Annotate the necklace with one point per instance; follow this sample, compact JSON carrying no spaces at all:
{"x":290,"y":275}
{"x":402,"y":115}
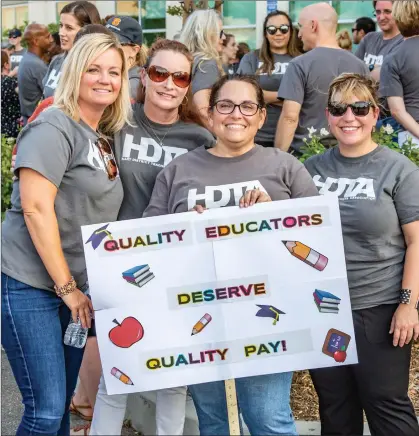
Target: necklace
{"x":159,"y":140}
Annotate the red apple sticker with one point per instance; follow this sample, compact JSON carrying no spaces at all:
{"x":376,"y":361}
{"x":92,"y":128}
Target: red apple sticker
{"x":126,"y":333}
{"x":340,"y":356}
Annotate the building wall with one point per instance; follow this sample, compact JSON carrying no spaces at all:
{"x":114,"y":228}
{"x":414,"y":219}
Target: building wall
{"x":242,"y":18}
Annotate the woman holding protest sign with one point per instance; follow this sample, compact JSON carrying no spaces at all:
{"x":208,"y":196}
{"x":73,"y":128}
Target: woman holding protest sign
{"x":66,"y":177}
{"x":165,"y":127}
{"x":379,"y":206}
{"x":237,"y":110}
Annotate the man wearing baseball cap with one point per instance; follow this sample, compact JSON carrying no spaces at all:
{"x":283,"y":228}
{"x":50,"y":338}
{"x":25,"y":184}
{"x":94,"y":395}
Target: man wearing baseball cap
{"x":15,"y":39}
{"x":130,"y":36}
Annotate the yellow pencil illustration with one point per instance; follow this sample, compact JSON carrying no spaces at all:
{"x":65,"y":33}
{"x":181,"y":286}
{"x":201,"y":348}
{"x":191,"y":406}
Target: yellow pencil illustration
{"x":121,"y":376}
{"x":306,"y":254}
{"x":201,"y":324}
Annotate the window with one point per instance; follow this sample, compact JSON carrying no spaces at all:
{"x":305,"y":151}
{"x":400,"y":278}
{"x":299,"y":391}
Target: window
{"x":127,"y":8}
{"x":239,"y":18}
{"x":153,"y":19}
{"x":297,"y":6}
{"x":351,"y":10}
{"x":14,"y":16}
{"x":21,"y":15}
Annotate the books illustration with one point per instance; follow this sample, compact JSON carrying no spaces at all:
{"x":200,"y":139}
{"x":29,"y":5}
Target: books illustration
{"x":307,"y":254}
{"x":326,"y":302}
{"x":138,"y":275}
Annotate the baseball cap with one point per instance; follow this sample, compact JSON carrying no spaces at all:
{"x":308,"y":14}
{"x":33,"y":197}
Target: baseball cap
{"x":127,"y":29}
{"x":15,"y":33}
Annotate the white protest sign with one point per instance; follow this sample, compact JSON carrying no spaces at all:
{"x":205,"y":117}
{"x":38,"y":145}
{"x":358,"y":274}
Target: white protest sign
{"x":192,"y":298}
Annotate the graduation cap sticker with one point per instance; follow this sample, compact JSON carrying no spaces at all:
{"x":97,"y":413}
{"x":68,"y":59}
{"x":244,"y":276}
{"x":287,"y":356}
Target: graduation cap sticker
{"x":268,"y":311}
{"x":98,"y":236}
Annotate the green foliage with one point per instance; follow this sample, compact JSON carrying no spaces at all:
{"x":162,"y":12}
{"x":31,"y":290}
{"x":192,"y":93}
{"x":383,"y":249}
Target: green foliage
{"x":53,"y":27}
{"x":386,"y":137}
{"x":6,"y":175}
{"x":175,"y":11}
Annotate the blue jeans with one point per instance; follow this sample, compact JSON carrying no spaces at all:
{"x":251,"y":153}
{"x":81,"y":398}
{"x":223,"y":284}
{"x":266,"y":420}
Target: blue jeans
{"x":264,"y":403}
{"x":33,"y":323}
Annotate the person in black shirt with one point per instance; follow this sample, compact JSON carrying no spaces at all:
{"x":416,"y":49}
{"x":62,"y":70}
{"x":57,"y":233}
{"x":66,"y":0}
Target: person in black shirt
{"x":10,"y":113}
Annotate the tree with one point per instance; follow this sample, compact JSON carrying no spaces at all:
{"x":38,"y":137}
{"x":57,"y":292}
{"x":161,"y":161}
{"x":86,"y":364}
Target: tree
{"x":186,"y":7}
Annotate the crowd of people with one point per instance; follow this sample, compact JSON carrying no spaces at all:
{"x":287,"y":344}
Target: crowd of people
{"x":115,"y":131}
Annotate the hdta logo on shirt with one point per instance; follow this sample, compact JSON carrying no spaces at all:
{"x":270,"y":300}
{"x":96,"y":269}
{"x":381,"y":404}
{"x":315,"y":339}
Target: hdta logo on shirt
{"x":222,"y":195}
{"x":346,"y":189}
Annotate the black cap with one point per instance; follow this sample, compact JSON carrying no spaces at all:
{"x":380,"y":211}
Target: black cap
{"x":127,"y":29}
{"x":15,"y":33}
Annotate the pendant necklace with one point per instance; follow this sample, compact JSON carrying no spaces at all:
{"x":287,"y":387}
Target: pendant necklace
{"x":159,"y":140}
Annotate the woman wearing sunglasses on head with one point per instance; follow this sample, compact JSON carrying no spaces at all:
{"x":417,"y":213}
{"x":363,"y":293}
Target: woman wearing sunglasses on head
{"x":269,"y":64}
{"x":164,"y":129}
{"x":236,"y":112}
{"x":66,"y":177}
{"x":73,"y":17}
{"x":204,"y":36}
{"x":379,"y":206}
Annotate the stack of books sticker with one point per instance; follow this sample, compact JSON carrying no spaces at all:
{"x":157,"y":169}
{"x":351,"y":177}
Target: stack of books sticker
{"x":139,"y":275}
{"x":326,"y":302}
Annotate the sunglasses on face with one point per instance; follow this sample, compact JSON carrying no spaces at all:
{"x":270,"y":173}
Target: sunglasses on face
{"x":108,"y":158}
{"x":160,"y":74}
{"x":272,"y":30}
{"x":359,"y":108}
{"x":226,"y":107}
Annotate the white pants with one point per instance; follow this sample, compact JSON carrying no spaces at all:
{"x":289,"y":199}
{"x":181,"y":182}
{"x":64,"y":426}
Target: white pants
{"x":403,"y":136}
{"x":109,"y":412}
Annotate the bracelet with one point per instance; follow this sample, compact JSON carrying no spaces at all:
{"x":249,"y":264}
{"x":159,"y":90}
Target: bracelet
{"x":66,"y":289}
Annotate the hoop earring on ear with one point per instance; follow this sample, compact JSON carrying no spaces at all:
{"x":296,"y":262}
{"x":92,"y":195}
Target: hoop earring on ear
{"x":185,"y":101}
{"x":373,"y":129}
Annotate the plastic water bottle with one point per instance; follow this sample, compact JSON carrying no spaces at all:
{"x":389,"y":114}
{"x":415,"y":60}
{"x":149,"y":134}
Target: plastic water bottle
{"x":75,"y":335}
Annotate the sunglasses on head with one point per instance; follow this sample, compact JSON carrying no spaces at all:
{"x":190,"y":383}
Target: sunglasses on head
{"x":359,"y":108}
{"x":283,"y":28}
{"x":108,"y":158}
{"x":160,"y":74}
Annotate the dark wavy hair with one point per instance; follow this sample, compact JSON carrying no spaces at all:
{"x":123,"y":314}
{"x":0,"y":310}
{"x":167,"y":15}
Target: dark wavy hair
{"x":84,"y":11}
{"x":265,"y":54}
{"x":215,"y":91}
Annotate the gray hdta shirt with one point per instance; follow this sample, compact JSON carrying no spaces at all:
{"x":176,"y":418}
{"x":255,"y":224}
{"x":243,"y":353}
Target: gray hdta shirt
{"x":378,"y":192}
{"x":16,"y":57}
{"x":399,"y":76}
{"x":64,"y":152}
{"x":249,"y":64}
{"x":32,"y":70}
{"x":53,"y":75}
{"x":373,"y":48}
{"x":204,"y":74}
{"x":307,"y":81}
{"x":199,"y":177}
{"x":140,"y":157}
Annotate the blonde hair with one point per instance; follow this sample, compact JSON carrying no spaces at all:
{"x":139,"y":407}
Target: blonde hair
{"x":198,"y":34}
{"x":142,"y":55}
{"x":406,"y":15}
{"x":78,"y":60}
{"x":344,"y":40}
{"x":350,"y":84}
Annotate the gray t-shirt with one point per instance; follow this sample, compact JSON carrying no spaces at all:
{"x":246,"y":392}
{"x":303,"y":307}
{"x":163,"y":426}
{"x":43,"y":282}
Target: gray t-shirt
{"x":140,"y":156}
{"x":373,"y":48}
{"x":134,"y":81}
{"x":378,"y":193}
{"x":16,"y":57}
{"x":32,"y":70}
{"x":53,"y":75}
{"x":65,"y":153}
{"x":204,"y":74}
{"x":307,"y":81}
{"x":249,"y":64}
{"x":199,"y":177}
{"x":399,"y":76}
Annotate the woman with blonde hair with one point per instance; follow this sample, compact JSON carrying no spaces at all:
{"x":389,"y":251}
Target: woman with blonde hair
{"x":400,"y":74}
{"x":66,"y":177}
{"x":269,"y":64}
{"x":203,"y":35}
{"x":344,"y":40}
{"x":379,"y":208}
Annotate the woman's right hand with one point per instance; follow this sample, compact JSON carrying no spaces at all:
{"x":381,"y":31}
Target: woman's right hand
{"x":198,"y":208}
{"x":80,"y":306}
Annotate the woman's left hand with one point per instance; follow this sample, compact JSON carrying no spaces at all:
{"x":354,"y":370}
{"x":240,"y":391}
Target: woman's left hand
{"x":254,"y":196}
{"x":404,"y":325}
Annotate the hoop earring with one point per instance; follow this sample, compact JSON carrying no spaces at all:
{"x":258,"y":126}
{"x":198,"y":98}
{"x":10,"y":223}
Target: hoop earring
{"x":185,"y":101}
{"x":373,"y":129}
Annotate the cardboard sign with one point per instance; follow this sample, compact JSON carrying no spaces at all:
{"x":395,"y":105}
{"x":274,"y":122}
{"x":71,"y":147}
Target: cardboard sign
{"x":190,"y":298}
